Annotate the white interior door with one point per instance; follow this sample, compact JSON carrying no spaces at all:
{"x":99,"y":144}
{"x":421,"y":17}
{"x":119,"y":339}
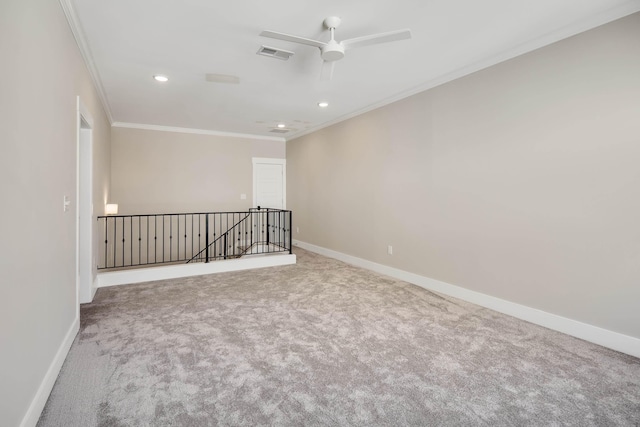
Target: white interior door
{"x":269,"y":183}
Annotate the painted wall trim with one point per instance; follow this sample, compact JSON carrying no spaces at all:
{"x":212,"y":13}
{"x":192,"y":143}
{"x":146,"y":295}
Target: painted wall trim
{"x":195,"y":131}
{"x":269,"y":160}
{"x":85,"y":51}
{"x":610,"y":15}
{"x":40,"y":399}
{"x":606,"y":338}
{"x":125,"y":277}
{"x":84,"y":237}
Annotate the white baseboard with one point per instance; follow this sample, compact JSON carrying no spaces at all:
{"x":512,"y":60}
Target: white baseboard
{"x":604,"y":337}
{"x":37,"y":404}
{"x":125,"y":277}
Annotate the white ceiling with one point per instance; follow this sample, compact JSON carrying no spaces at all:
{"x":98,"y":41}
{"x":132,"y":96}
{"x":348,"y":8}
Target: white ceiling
{"x":125,"y":42}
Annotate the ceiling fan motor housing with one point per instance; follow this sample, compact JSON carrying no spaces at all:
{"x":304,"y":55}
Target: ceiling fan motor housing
{"x":332,"y":22}
{"x":332,"y":51}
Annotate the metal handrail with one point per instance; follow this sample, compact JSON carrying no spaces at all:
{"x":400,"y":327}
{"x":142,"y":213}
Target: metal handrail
{"x":194,"y":213}
{"x":224,"y":235}
{"x":136,"y":240}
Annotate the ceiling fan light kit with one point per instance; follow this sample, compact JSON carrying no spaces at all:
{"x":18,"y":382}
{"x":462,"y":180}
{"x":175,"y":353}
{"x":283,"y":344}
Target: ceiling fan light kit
{"x":333,"y":50}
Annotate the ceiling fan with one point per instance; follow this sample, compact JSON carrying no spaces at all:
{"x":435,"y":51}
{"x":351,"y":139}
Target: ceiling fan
{"x":333,"y":50}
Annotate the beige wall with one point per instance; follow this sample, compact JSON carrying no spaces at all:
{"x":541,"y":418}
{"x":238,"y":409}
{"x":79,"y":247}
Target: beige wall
{"x":163,"y":172}
{"x":521,"y":181}
{"x":42,"y":73}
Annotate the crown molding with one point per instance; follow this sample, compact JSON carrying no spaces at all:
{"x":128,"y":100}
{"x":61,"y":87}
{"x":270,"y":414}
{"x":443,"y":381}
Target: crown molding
{"x":85,"y":51}
{"x":195,"y":131}
{"x":576,"y":28}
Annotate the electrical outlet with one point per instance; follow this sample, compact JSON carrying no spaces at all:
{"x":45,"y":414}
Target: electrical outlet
{"x":297,"y":229}
{"x":390,"y":250}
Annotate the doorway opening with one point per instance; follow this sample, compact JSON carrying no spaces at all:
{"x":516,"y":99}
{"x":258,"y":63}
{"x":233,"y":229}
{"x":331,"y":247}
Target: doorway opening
{"x":85,"y":271}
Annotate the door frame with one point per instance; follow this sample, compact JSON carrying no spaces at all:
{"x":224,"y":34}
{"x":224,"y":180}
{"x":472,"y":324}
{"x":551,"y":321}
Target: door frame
{"x":85,"y":274}
{"x":269,"y":161}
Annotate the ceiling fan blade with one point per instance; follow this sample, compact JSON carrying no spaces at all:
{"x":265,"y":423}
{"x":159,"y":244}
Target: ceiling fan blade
{"x":326,"y":74}
{"x":376,"y":38}
{"x":290,"y":38}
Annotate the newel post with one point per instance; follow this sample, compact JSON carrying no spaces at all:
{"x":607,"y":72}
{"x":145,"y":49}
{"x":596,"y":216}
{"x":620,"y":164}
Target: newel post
{"x":206,"y":228}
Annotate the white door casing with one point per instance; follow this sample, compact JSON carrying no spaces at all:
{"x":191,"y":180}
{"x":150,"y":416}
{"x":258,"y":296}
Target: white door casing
{"x":85,"y":288}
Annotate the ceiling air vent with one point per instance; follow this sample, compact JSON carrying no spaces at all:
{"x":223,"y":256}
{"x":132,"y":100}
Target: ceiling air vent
{"x":276,"y":130}
{"x":221,"y":78}
{"x":274,"y":52}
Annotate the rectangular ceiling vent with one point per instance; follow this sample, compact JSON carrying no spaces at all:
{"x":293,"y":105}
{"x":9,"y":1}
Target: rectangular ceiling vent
{"x":276,"y":130}
{"x":222,"y":78}
{"x":274,"y":52}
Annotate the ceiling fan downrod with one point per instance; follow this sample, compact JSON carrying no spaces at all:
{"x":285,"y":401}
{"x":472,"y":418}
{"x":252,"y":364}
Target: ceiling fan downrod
{"x":333,"y":50}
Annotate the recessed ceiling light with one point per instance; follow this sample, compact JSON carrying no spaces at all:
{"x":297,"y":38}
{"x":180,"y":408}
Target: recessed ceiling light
{"x":160,"y":78}
{"x":281,"y":125}
{"x":323,"y":104}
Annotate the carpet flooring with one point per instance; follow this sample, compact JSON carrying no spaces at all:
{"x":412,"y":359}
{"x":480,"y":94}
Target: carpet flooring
{"x":323,"y":343}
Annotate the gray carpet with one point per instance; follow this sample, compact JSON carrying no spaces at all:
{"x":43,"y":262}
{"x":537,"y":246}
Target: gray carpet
{"x":323,"y":343}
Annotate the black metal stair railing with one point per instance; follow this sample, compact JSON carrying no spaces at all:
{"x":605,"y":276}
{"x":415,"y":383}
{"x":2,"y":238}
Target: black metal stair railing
{"x":220,"y":245}
{"x":152,"y":239}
